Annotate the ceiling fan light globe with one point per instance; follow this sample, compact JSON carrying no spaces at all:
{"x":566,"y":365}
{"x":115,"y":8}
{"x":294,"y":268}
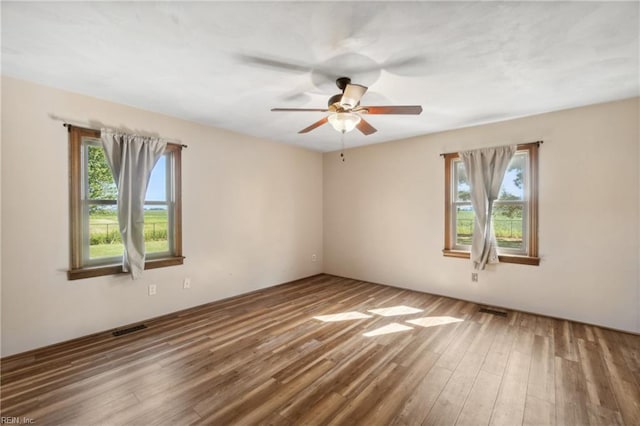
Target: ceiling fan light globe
{"x":344,"y":122}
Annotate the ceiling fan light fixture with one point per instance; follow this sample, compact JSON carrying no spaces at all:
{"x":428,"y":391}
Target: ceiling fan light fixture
{"x":344,"y":122}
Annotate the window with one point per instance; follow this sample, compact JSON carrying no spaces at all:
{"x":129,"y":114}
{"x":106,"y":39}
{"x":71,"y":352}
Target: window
{"x":515,"y":212}
{"x":96,"y":246}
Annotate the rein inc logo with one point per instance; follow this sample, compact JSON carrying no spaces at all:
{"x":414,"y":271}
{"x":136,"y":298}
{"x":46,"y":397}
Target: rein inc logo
{"x":16,"y":420}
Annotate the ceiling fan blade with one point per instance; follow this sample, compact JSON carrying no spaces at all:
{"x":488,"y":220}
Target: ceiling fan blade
{"x":365,"y":127}
{"x":397,"y":109}
{"x":352,"y":95}
{"x":300,"y":109}
{"x":274,"y":63}
{"x":407,"y":65}
{"x":314,"y":125}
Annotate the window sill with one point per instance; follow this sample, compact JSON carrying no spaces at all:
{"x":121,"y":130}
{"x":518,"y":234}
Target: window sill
{"x":77,"y":274}
{"x":504,"y":258}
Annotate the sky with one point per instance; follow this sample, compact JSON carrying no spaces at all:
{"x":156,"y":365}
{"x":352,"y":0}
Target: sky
{"x":156,"y":191}
{"x":508,"y":184}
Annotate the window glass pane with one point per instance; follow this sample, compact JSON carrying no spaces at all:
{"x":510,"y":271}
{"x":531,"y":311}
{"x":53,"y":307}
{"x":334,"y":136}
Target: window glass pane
{"x":508,"y":226}
{"x":513,"y":183}
{"x":104,"y":236}
{"x":464,"y":225}
{"x":156,"y":220}
{"x":461,"y":183}
{"x":101,"y":185}
{"x":157,"y":189}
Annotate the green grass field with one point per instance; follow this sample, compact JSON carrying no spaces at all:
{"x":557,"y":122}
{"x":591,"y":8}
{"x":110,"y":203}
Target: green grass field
{"x":116,"y":249}
{"x":508,"y":230}
{"x":105,"y":238}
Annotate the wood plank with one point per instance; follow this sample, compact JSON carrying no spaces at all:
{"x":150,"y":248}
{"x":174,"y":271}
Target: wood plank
{"x":478,"y":407}
{"x":563,"y":339}
{"x":417,"y":406}
{"x":596,"y":377}
{"x":346,"y":370}
{"x":625,"y":389}
{"x":398,"y":389}
{"x":539,"y":412}
{"x":571,"y":393}
{"x":255,"y":412}
{"x":599,"y":415}
{"x":358,"y":407}
{"x":321,"y":411}
{"x":542,"y":373}
{"x":509,"y":406}
{"x":452,"y":398}
{"x":498,"y":355}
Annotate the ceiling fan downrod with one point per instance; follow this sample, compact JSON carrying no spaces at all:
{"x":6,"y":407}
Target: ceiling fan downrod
{"x":342,"y":82}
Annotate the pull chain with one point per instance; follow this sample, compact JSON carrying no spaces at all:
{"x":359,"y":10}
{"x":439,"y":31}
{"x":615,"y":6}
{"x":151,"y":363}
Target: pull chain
{"x":342,"y":141}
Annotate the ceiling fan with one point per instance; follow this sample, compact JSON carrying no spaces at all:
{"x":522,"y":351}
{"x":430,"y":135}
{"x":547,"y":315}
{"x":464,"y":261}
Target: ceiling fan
{"x":345,"y":109}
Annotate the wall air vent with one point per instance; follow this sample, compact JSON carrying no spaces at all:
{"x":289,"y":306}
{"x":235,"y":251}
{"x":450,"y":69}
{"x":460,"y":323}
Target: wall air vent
{"x":493,"y":312}
{"x":122,"y":331}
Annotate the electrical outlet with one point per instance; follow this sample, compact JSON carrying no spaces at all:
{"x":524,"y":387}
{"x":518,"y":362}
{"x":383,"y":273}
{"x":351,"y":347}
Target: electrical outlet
{"x":474,"y":277}
{"x":152,"y":289}
{"x":186,"y":283}
{"x":314,"y":257}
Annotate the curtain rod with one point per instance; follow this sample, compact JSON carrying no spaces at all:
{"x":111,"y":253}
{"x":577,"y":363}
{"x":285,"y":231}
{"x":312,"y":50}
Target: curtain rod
{"x":69,"y":125}
{"x":520,"y":144}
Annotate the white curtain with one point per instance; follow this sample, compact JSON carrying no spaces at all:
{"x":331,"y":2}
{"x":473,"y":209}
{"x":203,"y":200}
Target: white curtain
{"x":131,"y":159}
{"x":485,"y":171}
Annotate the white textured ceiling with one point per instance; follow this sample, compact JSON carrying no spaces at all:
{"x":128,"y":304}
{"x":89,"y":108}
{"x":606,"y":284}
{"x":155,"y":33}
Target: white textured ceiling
{"x":226,"y":64}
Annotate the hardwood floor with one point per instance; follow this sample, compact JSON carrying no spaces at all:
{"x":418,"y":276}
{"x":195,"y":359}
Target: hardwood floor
{"x":313,"y":352}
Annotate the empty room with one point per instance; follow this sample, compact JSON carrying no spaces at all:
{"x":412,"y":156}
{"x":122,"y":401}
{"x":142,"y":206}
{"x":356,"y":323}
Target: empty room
{"x":320,"y":213}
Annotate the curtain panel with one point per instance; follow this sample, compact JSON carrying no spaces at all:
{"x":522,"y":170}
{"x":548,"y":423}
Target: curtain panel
{"x":485,"y":171}
{"x":131,"y":159}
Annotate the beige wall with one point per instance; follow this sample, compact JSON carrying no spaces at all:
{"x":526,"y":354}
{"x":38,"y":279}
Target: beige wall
{"x":252,"y":218}
{"x":384,"y":216}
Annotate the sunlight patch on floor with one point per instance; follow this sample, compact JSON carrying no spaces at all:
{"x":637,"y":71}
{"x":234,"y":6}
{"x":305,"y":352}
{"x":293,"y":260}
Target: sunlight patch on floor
{"x":395,"y":311}
{"x":342,"y":316}
{"x":394,"y":327}
{"x":434,"y":321}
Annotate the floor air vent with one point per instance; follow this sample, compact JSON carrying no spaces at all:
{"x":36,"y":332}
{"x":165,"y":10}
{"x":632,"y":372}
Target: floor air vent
{"x":129,"y":330}
{"x":494,"y":312}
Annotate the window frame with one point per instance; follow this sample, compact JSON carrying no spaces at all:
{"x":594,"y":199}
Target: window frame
{"x":77,"y":269}
{"x":530,"y":213}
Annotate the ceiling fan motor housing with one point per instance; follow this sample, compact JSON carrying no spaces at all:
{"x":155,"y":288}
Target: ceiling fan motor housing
{"x":342,"y":82}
